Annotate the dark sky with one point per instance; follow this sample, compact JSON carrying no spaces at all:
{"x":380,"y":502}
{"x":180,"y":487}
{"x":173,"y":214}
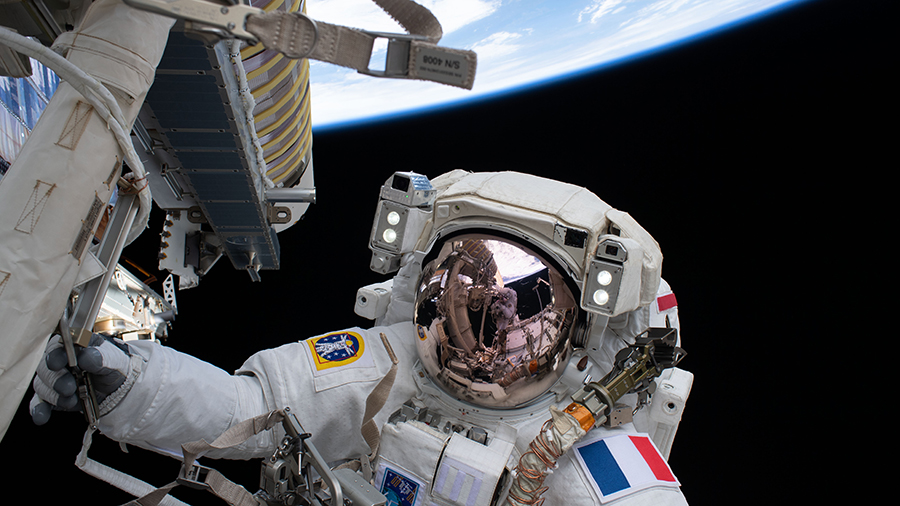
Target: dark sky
{"x":739,"y":152}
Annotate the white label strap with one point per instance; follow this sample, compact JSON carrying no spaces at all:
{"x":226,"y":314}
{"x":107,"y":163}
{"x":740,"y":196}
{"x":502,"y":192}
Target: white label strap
{"x":410,"y":56}
{"x":297,"y":36}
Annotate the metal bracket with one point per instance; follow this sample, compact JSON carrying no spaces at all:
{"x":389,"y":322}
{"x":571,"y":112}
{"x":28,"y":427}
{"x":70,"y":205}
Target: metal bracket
{"x":295,"y":456}
{"x":279,"y":214}
{"x":396,"y":63}
{"x":195,"y":215}
{"x":622,"y":414}
{"x":232,"y":19}
{"x":77,"y":329}
{"x":91,"y":298}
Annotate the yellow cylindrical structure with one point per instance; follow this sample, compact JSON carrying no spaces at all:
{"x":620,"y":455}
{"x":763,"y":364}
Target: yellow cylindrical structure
{"x":280,"y":87}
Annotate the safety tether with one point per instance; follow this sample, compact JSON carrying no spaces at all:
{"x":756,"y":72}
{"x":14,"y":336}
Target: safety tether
{"x":412,"y":55}
{"x":297,"y":36}
{"x":210,"y":479}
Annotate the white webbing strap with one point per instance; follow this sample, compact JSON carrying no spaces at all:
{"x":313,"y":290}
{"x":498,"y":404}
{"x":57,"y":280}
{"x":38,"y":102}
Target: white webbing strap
{"x":376,"y":399}
{"x":116,"y":478}
{"x":412,"y":55}
{"x":297,"y":36}
{"x":197,"y":476}
{"x":374,"y":402}
{"x":413,"y":18}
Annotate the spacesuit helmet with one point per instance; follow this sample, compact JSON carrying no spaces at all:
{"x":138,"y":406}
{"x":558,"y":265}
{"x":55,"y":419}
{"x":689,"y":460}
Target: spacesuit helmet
{"x":513,"y":269}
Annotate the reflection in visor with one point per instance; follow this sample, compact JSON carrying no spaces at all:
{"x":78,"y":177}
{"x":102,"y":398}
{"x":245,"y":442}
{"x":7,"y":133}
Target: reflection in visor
{"x":495,"y":320}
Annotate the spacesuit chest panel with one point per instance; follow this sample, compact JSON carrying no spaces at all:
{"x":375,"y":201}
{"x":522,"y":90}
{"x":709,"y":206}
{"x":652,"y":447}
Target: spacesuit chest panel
{"x":419,"y":465}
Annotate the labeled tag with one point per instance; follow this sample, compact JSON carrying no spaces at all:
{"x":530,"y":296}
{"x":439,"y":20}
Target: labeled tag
{"x":446,"y":66}
{"x":620,"y":465}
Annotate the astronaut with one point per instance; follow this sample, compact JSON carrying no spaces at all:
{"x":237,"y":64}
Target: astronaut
{"x":497,"y":314}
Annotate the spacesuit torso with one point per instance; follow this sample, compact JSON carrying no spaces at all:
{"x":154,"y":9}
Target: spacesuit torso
{"x":435,"y":451}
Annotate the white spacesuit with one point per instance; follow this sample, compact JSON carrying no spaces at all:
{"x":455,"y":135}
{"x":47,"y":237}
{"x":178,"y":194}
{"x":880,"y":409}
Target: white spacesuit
{"x":488,"y":331}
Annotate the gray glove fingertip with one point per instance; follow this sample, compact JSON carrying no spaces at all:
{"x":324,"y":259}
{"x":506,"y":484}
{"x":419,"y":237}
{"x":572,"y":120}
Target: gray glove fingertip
{"x":66,"y":385}
{"x":56,"y":359}
{"x":91,"y":360}
{"x":69,"y":403}
{"x":40,"y":413}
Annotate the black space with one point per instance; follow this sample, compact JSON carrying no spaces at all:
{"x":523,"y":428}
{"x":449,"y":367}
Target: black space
{"x":743,"y":153}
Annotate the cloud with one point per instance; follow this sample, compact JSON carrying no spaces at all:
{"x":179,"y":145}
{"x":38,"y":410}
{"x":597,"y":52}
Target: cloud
{"x":657,"y":23}
{"x":598,"y":9}
{"x":455,"y":14}
{"x":497,"y":44}
{"x":351,"y":96}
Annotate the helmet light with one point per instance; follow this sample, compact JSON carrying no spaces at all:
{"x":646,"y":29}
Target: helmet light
{"x":403,"y":209}
{"x":601,"y":297}
{"x":604,"y":277}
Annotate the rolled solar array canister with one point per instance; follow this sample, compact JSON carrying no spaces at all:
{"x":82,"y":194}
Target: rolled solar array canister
{"x":280,"y":87}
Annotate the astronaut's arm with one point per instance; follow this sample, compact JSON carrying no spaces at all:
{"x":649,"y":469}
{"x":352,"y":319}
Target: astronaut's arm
{"x":175,"y":398}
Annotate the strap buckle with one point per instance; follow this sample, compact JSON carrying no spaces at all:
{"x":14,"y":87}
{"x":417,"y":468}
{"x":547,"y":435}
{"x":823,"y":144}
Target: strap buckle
{"x":195,"y":477}
{"x":396,"y":64}
{"x":229,"y":20}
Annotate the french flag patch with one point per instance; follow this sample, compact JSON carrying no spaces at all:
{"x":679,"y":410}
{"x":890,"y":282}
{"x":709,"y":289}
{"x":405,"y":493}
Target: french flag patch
{"x":623,"y":464}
